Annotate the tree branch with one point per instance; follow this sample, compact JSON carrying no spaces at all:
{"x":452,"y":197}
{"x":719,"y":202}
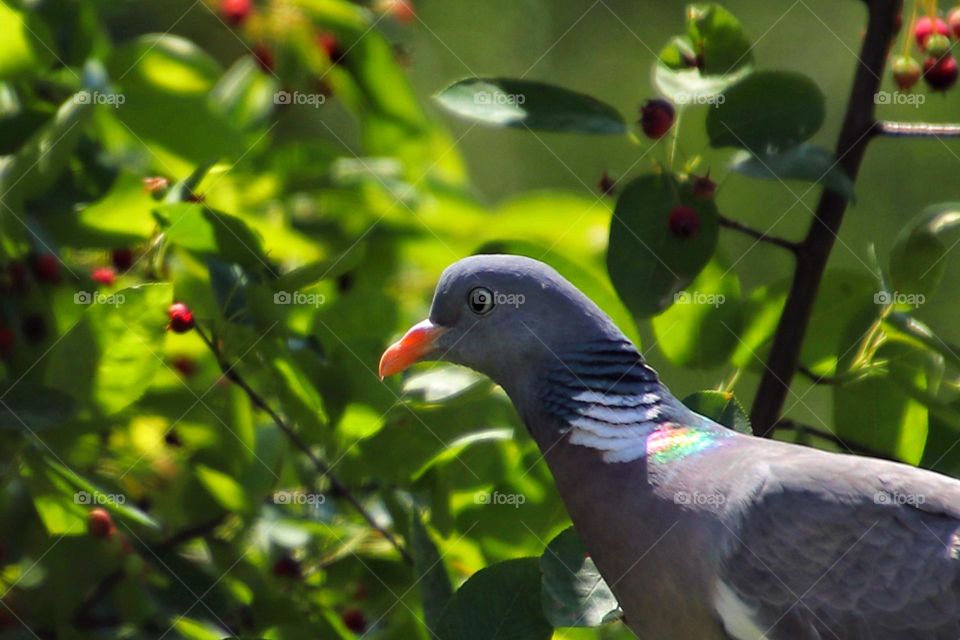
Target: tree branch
{"x":759,"y":235}
{"x":341,"y":489}
{"x":796,"y":427}
{"x":916,"y":130}
{"x":855,"y":134}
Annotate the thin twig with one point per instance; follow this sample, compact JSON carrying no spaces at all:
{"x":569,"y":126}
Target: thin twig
{"x":786,"y":424}
{"x":916,"y":130}
{"x":729,"y":223}
{"x":816,"y":378}
{"x":341,"y":489}
{"x":814,"y":251}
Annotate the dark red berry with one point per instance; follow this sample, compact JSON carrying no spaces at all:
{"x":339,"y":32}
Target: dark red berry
{"x":122,"y":259}
{"x":607,"y":186}
{"x":906,"y":72}
{"x":104,"y":275}
{"x":264,"y":57}
{"x":236,"y":12}
{"x":684,"y":221}
{"x":330,"y":46}
{"x":927,"y":26}
{"x":34,"y":328}
{"x":100,"y":523}
{"x":940,"y":74}
{"x":656,"y":118}
{"x":155,"y":185}
{"x":46,"y":268}
{"x":354,"y":620}
{"x":181,"y":318}
{"x":7,"y":340}
{"x":287,"y":567}
{"x":185,"y":365}
{"x":172,"y":438}
{"x":703,"y":187}
{"x":953,"y":22}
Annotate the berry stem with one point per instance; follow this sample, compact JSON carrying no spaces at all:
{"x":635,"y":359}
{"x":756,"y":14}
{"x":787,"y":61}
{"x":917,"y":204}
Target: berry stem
{"x":761,"y":236}
{"x":673,"y":140}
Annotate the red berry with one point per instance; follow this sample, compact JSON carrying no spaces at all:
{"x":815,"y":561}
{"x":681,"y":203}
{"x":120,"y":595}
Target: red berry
{"x":953,"y":22}
{"x":906,"y":72}
{"x":331,"y":46}
{"x":236,"y":12}
{"x":264,"y":57}
{"x":656,"y":118}
{"x":287,"y":567}
{"x":703,"y":187}
{"x":181,"y":318}
{"x":927,"y":26}
{"x":940,"y":74}
{"x":155,"y":185}
{"x":354,"y":620}
{"x":100,"y":524}
{"x":46,"y":267}
{"x":104,"y":275}
{"x":122,"y":259}
{"x":7,"y":340}
{"x":684,"y":221}
{"x":606,"y":185}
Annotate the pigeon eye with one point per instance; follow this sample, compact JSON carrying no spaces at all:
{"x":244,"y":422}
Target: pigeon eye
{"x":480,"y":301}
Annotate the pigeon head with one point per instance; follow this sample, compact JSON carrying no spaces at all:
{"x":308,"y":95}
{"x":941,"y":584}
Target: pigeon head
{"x":504,"y":316}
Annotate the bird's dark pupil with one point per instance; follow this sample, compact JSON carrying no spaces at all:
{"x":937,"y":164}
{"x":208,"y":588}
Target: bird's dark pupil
{"x":481,"y":300}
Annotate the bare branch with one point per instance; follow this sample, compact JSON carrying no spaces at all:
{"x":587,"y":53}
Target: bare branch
{"x":916,"y":130}
{"x":729,"y":223}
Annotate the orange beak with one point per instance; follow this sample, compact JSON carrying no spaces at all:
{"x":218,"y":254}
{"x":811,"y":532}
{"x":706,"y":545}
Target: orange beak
{"x":410,"y":349}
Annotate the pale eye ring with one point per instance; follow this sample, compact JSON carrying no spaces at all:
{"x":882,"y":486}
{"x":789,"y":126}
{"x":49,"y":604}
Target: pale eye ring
{"x":480,"y":301}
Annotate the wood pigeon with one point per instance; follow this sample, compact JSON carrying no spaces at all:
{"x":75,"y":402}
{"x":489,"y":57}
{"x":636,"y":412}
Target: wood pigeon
{"x":701,"y":532}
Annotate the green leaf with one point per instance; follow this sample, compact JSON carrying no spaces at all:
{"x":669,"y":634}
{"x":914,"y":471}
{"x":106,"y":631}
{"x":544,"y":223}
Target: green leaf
{"x":431,"y":574}
{"x":108,"y":359}
{"x":442,"y":384}
{"x":89,"y":493}
{"x":228,"y":493}
{"x":718,"y":39}
{"x":500,"y":602}
{"x":767,"y":112}
{"x":918,"y":257}
{"x":506,"y":102}
{"x":210,"y":233}
{"x":804,"y":162}
{"x":690,"y":87}
{"x":647,"y":263}
{"x":574,"y":593}
{"x":30,"y":408}
{"x":700,"y":328}
{"x":27,"y":44}
{"x":722,"y":407}
{"x":120,"y":219}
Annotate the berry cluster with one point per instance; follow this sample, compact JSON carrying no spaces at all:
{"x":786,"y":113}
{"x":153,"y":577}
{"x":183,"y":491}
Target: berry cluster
{"x":935,"y":38}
